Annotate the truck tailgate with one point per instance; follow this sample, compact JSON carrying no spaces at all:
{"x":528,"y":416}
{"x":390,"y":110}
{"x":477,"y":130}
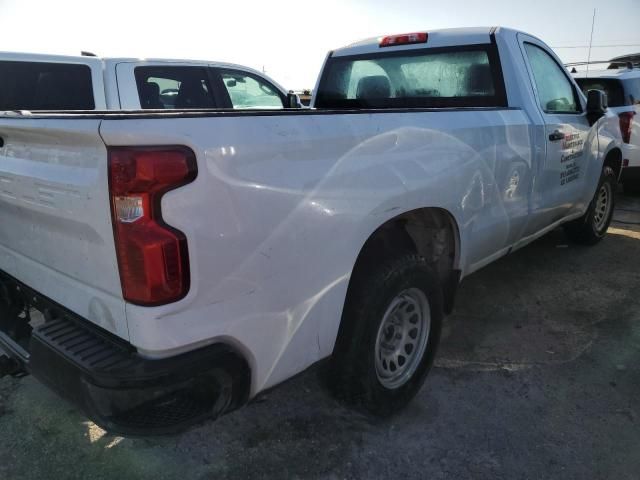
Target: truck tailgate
{"x":55,"y":223}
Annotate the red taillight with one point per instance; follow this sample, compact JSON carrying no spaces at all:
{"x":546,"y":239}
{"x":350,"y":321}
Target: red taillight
{"x":626,"y":124}
{"x":152,"y":256}
{"x":404,"y":39}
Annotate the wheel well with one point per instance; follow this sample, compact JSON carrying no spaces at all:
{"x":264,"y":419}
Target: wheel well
{"x":429,"y":232}
{"x":614,"y":160}
{"x":236,"y":366}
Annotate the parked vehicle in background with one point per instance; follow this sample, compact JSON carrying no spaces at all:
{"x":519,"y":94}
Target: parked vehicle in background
{"x":622,"y":86}
{"x":158,"y":268}
{"x":624,"y":60}
{"x":305,"y":97}
{"x":47,"y":82}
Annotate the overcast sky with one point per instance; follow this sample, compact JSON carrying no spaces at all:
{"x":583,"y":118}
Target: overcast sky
{"x":289,"y":39}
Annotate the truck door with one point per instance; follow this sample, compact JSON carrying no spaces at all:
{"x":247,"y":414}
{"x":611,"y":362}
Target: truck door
{"x":560,"y":175}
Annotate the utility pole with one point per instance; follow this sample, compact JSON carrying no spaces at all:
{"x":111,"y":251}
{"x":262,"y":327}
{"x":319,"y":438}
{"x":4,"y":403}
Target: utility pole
{"x":593,"y":22}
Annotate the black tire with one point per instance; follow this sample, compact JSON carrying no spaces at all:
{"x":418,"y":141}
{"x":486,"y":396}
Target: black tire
{"x":353,"y":373}
{"x":592,"y":226}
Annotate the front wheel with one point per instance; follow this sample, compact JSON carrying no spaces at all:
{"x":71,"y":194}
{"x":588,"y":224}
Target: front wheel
{"x":592,"y":226}
{"x":389,"y":333}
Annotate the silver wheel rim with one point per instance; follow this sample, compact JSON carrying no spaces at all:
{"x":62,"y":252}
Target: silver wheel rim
{"x":402,"y":338}
{"x":603,"y":207}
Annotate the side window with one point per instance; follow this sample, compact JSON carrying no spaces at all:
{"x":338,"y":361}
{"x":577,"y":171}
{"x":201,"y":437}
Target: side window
{"x":45,"y":86}
{"x":555,"y":91}
{"x":612,"y":87}
{"x":632,"y":88}
{"x":174,"y":87}
{"x":247,"y":91}
{"x":167,"y":92}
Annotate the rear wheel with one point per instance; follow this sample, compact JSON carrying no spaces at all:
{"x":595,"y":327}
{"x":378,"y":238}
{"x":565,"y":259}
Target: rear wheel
{"x":592,"y":226}
{"x":388,"y":337}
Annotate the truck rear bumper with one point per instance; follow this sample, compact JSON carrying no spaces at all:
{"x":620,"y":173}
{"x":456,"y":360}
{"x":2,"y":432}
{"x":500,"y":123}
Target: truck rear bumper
{"x":104,"y":376}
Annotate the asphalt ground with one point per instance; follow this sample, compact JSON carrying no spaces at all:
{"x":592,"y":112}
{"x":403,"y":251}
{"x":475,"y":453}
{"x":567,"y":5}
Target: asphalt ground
{"x":537,"y":377}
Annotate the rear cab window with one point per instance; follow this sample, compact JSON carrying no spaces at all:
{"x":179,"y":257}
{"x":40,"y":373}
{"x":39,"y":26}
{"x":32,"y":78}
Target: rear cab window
{"x":175,"y":87}
{"x":465,"y":76}
{"x":45,"y":86}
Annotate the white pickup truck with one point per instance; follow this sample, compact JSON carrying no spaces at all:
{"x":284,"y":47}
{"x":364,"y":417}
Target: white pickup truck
{"x":46,"y":82}
{"x":158,"y":268}
{"x":622,"y":86}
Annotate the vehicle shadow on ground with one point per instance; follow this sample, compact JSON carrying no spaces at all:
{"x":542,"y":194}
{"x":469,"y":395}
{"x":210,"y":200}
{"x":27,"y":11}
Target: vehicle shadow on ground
{"x":537,"y":308}
{"x":541,"y":305}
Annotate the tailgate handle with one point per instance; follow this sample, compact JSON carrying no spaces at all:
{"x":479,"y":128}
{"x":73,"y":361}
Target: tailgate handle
{"x":556,"y":135}
{"x":1,"y":142}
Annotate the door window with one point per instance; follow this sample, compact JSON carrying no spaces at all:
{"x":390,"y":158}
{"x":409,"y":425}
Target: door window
{"x":247,"y":91}
{"x":555,"y":92}
{"x":174,"y":87}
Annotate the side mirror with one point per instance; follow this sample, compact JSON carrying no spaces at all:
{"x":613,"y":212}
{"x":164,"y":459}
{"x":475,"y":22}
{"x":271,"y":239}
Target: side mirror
{"x":596,"y":105}
{"x":293,"y":101}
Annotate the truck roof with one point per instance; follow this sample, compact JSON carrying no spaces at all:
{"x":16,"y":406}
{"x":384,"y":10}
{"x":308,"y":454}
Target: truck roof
{"x":619,"y":73}
{"x":436,"y":38}
{"x":88,"y":60}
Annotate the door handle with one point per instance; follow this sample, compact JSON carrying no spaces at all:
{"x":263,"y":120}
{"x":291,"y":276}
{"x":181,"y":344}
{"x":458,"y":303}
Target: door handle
{"x":556,"y":135}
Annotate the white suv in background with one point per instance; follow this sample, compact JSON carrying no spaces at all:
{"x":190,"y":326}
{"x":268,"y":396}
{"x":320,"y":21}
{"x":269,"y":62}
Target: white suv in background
{"x":622,"y":86}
